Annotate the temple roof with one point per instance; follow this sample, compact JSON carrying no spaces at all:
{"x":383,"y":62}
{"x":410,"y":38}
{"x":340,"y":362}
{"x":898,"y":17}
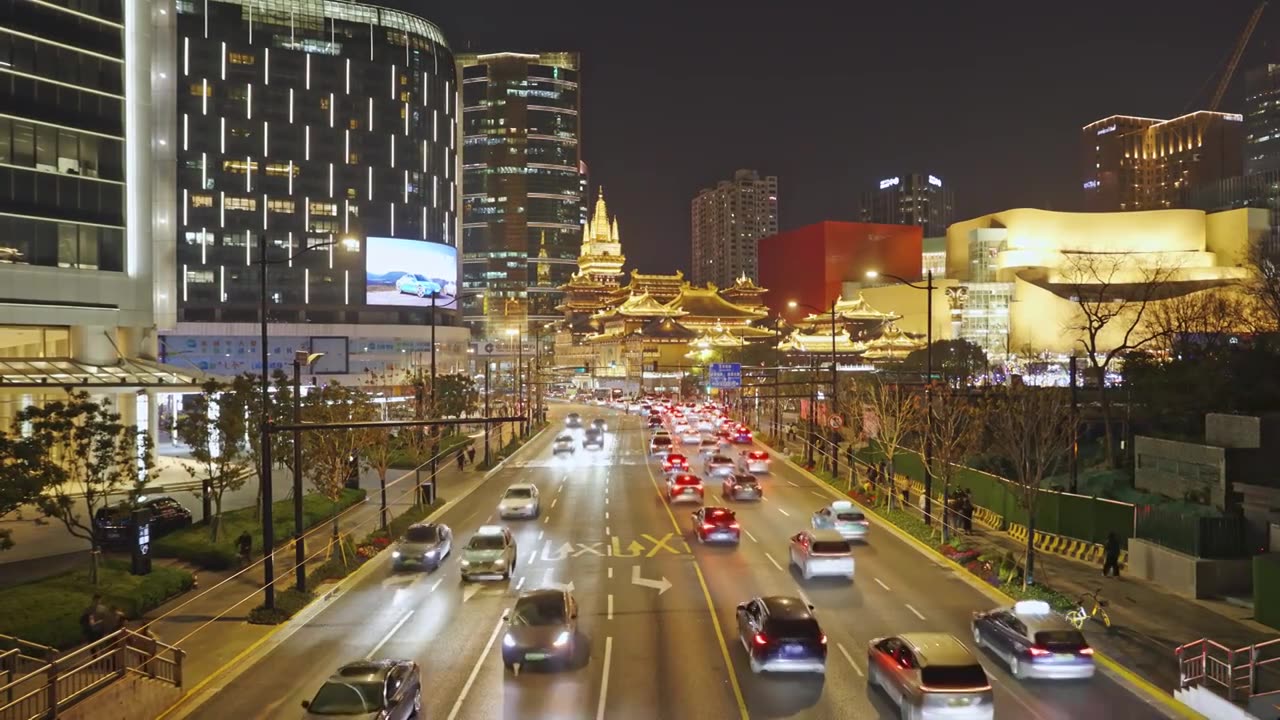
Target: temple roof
{"x":744,"y":286}
{"x":666,"y":329}
{"x":641,"y":305}
{"x":707,"y":303}
{"x":799,"y":342}
{"x":853,"y":309}
{"x":717,"y":337}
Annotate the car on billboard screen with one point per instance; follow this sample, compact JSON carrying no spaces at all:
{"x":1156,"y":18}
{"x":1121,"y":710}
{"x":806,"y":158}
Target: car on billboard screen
{"x":399,"y":271}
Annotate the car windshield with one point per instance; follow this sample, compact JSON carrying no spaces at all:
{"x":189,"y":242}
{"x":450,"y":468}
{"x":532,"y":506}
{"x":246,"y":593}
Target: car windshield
{"x":485,"y":542}
{"x":831,"y":547}
{"x":954,"y":677}
{"x":721,"y":460}
{"x":420,"y":534}
{"x":719,"y":514}
{"x":744,"y":480}
{"x":662,"y":440}
{"x":792,"y":627}
{"x":850,"y":516}
{"x":1061,"y":640}
{"x":539,"y":610}
{"x":688,"y":480}
{"x":519,"y":493}
{"x":347,"y":698}
{"x":564,"y":439}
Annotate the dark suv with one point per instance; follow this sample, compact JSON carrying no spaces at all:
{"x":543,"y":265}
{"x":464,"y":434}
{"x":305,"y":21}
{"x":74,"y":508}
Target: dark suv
{"x":780,"y":634}
{"x":115,"y":523}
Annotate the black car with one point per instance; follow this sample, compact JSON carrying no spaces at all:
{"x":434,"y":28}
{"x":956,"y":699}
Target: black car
{"x":573,"y":420}
{"x":593,"y":440}
{"x":542,"y":627}
{"x":115,"y":523}
{"x":780,"y":634}
{"x":383,"y":689}
{"x":1034,"y":641}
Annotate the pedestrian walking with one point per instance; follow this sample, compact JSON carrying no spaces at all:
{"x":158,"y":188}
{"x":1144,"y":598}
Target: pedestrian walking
{"x":1111,"y":559}
{"x":93,"y":620}
{"x":244,"y":544}
{"x":967,"y":511}
{"x":471,"y":455}
{"x":462,"y":458}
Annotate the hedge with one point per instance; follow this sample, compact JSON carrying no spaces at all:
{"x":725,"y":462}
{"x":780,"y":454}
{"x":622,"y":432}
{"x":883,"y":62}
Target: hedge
{"x":404,"y":458}
{"x":192,"y":544}
{"x":288,"y":603}
{"x":48,"y":611}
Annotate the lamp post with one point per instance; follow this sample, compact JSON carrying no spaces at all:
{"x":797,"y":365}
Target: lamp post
{"x":835,"y":460}
{"x":435,"y":431}
{"x":928,"y":384}
{"x":517,"y":376}
{"x":302,"y":358}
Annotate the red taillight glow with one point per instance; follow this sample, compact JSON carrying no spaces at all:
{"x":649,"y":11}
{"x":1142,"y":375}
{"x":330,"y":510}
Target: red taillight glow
{"x":733,"y":525}
{"x":1037,"y":651}
{"x":823,"y":639}
{"x":708,"y":526}
{"x":760,"y":639}
{"x":1086,"y":651}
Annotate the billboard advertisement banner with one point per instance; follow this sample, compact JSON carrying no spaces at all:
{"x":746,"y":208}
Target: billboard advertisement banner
{"x":415,"y":273}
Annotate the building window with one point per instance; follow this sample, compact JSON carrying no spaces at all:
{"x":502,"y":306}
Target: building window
{"x":324,"y":103}
{"x":323,"y":208}
{"x":281,"y":170}
{"x":280,"y":206}
{"x":201,"y":201}
{"x":239,"y":166}
{"x":240,"y":204}
{"x":353,"y":124}
{"x":199,"y":89}
{"x":240,"y":58}
{"x":200,"y":277}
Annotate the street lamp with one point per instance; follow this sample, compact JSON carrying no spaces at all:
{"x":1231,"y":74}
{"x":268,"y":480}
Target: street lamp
{"x":435,"y":431}
{"x":302,"y":358}
{"x":928,"y":385}
{"x":518,"y":375}
{"x":835,"y":460}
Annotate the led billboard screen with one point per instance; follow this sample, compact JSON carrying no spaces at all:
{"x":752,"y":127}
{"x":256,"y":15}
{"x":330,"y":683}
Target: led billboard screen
{"x":410,"y":272}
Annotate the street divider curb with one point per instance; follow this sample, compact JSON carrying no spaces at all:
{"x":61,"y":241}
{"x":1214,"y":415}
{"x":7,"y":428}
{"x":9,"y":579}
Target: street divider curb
{"x":1136,"y":683}
{"x":250,"y":656}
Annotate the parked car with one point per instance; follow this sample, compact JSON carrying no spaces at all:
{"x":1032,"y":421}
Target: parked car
{"x":115,"y":523}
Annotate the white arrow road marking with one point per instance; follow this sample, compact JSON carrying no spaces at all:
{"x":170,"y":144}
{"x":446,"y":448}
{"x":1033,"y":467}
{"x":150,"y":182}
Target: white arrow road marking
{"x":471,"y":680}
{"x":604,"y":679}
{"x":549,"y":583}
{"x":849,"y":657}
{"x":661,"y":586}
{"x":775,"y":562}
{"x":584,"y":548}
{"x":469,"y":591}
{"x":561,"y":552}
{"x":915,"y":611}
{"x":389,"y":635}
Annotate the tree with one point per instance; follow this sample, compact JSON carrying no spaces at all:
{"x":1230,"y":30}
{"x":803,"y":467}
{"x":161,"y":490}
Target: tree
{"x":90,"y":455}
{"x":1197,"y":321}
{"x":1263,"y":287}
{"x":249,"y":387}
{"x":331,"y":453}
{"x":954,"y":430}
{"x":456,"y":395}
{"x":1112,"y":303}
{"x":1029,"y":428}
{"x":24,"y":475}
{"x":214,"y":428}
{"x":379,"y":446}
{"x":890,"y":413}
{"x":960,"y":363}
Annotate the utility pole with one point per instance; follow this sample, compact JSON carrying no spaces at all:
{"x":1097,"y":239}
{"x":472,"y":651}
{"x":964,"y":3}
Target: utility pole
{"x":435,"y":431}
{"x":487,"y":363}
{"x":264,"y":473}
{"x":1074,"y":457}
{"x":835,"y":460}
{"x":299,"y":551}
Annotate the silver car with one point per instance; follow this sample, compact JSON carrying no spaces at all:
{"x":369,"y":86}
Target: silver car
{"x":491,"y":551}
{"x":821,"y":553}
{"x":720,"y":466}
{"x":369,"y":690}
{"x":930,"y":675}
{"x":520,"y":500}
{"x":1034,"y":641}
{"x":423,"y":546}
{"x":843,"y":517}
{"x":563,"y":445}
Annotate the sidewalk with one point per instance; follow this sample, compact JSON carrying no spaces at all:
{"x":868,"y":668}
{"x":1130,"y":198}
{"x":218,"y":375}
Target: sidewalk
{"x":212,"y":627}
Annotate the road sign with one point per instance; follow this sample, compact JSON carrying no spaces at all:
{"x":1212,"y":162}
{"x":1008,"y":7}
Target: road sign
{"x":724,"y":375}
{"x":835,"y":422}
{"x":486,"y":348}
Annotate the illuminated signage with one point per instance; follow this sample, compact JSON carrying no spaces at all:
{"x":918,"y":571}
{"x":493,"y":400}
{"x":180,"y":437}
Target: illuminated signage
{"x":1091,"y":184}
{"x":418,"y":273}
{"x":1234,"y":117}
{"x":935,"y":181}
{"x":1107,"y":129}
{"x":889,"y":182}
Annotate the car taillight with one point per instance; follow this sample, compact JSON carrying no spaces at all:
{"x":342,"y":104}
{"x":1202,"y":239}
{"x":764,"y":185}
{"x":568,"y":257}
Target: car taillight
{"x":1037,"y":651}
{"x":863,"y":523}
{"x":760,"y":640}
{"x":708,"y":526}
{"x":822,"y":639}
{"x":1085,"y":651}
{"x":733,"y":525}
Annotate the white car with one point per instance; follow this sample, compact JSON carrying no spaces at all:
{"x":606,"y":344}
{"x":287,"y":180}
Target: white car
{"x":753,"y":461}
{"x":691,"y":437}
{"x":821,"y":552}
{"x":719,"y":466}
{"x":520,"y":500}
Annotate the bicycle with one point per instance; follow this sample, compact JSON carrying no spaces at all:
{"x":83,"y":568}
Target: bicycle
{"x":1079,"y":615}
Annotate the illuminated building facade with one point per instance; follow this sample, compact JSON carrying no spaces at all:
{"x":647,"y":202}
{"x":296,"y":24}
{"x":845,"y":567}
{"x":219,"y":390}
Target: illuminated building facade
{"x":811,"y":264}
{"x":1135,"y":163}
{"x":86,"y":202}
{"x":933,"y":257}
{"x":523,"y":199}
{"x":1262,"y":119}
{"x":326,"y":130}
{"x":915,"y":199}
{"x":727,"y":222}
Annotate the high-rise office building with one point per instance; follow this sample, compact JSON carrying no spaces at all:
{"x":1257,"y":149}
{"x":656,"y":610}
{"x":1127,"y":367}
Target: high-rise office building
{"x":86,"y":210}
{"x":1262,"y":119}
{"x":915,"y":199}
{"x":523,"y":203}
{"x":1135,"y":163}
{"x":328,"y":135}
{"x":728,"y":220}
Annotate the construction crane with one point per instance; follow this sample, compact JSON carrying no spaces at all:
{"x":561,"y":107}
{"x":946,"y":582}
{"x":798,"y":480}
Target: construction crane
{"x":1235,"y":57}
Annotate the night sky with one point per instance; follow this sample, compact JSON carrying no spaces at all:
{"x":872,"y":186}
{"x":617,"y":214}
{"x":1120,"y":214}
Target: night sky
{"x":831,"y":97}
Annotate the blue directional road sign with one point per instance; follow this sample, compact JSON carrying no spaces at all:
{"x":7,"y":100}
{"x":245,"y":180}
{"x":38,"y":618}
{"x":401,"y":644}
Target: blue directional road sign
{"x":725,"y":375}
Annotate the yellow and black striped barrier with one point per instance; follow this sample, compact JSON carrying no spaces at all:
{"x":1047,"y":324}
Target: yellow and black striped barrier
{"x":1083,"y":550}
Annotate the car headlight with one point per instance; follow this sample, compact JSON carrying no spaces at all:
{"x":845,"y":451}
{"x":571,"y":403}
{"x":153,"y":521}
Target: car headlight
{"x":561,"y":639}
{"x":508,"y":641}
{"x":466,"y":563}
{"x":429,"y":554}
{"x":395,"y":553}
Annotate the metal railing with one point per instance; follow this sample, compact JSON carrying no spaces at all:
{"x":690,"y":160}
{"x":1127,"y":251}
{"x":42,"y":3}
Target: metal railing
{"x":55,"y":685}
{"x":1240,"y":674}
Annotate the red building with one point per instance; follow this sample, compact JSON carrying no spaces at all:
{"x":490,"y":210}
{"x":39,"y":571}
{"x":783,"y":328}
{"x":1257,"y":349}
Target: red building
{"x":809,"y":264}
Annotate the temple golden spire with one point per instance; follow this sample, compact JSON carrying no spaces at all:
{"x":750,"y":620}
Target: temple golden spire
{"x":613,"y":235}
{"x":601,"y":258}
{"x":600,"y":219}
